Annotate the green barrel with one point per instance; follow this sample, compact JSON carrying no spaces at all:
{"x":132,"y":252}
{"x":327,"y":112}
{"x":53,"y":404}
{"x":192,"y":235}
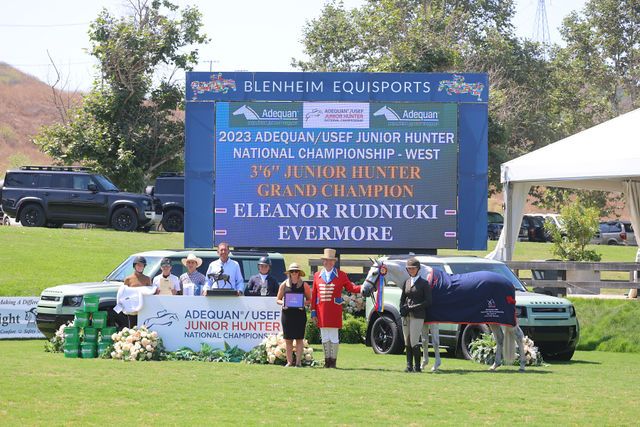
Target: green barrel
{"x":71,"y":349}
{"x":88,"y":350}
{"x":99,"y":319}
{"x":91,"y":335}
{"x":71,"y":334}
{"x":91,"y":303}
{"x":108,"y":331}
{"x":82,"y":319}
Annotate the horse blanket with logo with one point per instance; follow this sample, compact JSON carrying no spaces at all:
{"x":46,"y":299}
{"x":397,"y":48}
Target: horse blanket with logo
{"x":478,"y":297}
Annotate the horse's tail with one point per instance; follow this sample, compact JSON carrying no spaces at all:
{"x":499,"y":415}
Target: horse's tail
{"x":509,"y":345}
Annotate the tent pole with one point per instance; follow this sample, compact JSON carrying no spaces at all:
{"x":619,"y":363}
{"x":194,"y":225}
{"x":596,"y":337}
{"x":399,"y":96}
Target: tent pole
{"x":509,"y":222}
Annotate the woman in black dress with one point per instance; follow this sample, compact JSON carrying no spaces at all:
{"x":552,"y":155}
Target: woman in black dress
{"x":294,"y":319}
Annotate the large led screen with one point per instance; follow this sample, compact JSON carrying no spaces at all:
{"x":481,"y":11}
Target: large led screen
{"x":347,"y":174}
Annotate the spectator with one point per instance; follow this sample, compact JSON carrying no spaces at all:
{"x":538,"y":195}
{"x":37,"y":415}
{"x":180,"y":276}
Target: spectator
{"x":294,"y":317}
{"x":192,"y":282}
{"x":167,"y":283}
{"x":262,"y":284}
{"x":224,"y":273}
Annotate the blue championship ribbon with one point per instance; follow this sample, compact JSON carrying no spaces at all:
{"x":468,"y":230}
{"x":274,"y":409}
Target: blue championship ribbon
{"x":379,"y":295}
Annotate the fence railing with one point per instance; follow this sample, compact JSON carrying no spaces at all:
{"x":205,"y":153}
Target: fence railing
{"x":547,"y":274}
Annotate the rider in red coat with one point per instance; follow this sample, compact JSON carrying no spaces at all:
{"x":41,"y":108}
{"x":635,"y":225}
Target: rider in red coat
{"x":326,"y":304}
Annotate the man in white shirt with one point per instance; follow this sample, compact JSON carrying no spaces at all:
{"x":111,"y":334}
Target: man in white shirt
{"x":165,"y":282}
{"x":227,"y":267}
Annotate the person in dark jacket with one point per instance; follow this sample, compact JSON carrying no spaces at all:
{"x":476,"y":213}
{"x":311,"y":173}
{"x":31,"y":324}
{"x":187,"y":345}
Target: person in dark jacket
{"x":414,"y":301}
{"x":263,"y":284}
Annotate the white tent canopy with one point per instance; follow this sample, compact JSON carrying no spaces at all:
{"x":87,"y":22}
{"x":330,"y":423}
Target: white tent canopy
{"x":604,"y":157}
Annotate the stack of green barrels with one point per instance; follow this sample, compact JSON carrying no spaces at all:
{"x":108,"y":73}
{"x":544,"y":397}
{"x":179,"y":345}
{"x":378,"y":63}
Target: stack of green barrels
{"x":89,"y":336}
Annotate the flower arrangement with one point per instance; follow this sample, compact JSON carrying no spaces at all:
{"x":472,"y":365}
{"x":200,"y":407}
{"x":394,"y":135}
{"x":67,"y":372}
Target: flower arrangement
{"x":56,"y":343}
{"x":273,"y":351}
{"x":354,"y":303}
{"x":137,"y":343}
{"x":483,"y":350}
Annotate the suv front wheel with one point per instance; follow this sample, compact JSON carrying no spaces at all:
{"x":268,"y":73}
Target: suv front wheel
{"x":386,"y":336}
{"x":173,"y":221}
{"x":33,"y":215}
{"x":124,"y":219}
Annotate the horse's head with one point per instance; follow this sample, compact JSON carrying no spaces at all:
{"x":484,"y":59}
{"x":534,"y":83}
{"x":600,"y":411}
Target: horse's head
{"x":382,"y":111}
{"x":240,"y":110}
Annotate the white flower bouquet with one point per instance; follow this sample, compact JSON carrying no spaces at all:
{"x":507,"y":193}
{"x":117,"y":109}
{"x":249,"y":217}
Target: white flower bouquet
{"x":353,"y":303}
{"x":273,"y":351}
{"x":56,"y":343}
{"x":483,"y":350}
{"x":137,"y":343}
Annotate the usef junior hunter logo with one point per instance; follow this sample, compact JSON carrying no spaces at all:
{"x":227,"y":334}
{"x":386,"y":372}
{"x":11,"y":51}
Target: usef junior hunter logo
{"x":256,"y":114}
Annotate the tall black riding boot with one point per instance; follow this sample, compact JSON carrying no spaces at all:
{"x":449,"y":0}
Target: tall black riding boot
{"x":409,"y":359}
{"x":417,"y":358}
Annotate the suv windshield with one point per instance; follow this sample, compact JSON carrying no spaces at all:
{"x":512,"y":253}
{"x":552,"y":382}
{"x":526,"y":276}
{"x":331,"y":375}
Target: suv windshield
{"x":105,"y":183}
{"x":126,"y":268}
{"x":496,"y":268}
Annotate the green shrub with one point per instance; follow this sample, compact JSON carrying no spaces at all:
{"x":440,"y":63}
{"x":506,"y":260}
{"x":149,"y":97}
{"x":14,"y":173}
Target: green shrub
{"x":353,"y":331}
{"x":312,"y":333}
{"x":579,"y":225}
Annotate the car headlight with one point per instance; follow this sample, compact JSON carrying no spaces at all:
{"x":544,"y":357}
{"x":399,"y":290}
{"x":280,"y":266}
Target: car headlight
{"x":72,"y":301}
{"x":572,"y":311}
{"x":521,"y":311}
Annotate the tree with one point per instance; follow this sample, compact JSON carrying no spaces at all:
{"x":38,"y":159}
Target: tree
{"x":594,"y":79}
{"x":128,"y":125}
{"x":443,"y":36}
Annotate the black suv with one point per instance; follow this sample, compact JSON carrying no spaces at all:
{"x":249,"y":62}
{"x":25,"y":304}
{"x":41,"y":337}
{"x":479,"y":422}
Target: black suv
{"x":50,"y":196}
{"x":169,"y":189}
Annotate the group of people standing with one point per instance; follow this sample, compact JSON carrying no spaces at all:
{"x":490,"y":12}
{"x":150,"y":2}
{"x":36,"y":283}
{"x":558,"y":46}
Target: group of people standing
{"x":324,"y":297}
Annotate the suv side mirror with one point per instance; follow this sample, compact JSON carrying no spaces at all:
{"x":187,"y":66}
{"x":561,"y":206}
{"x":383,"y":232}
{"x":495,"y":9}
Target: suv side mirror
{"x":92,"y":187}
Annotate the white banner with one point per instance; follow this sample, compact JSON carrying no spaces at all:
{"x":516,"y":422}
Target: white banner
{"x":18,"y":317}
{"x":189,"y":321}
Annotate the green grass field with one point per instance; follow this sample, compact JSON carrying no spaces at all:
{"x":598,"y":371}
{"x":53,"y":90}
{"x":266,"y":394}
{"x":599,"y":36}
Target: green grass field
{"x":36,"y":258}
{"x":39,"y":388}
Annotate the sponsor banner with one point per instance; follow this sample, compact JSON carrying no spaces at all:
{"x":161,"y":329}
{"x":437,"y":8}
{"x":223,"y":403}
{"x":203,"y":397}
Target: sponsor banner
{"x":364,"y":87}
{"x":190,"y":321}
{"x":18,"y":317}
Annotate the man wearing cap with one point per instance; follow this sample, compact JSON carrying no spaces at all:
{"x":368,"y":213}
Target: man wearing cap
{"x":262,"y":284}
{"x":165,"y":282}
{"x":192,"y":282}
{"x":226,"y":270}
{"x":326,"y":304}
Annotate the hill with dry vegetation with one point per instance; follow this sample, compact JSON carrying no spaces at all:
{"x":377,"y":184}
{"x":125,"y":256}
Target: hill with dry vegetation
{"x":26,"y":104}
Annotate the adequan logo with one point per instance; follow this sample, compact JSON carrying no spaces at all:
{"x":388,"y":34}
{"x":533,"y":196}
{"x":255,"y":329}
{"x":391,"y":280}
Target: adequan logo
{"x":266,"y":114}
{"x":406,"y":115}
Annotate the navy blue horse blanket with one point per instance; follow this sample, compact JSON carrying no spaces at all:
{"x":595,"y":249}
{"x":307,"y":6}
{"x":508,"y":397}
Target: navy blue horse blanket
{"x":478,"y":297}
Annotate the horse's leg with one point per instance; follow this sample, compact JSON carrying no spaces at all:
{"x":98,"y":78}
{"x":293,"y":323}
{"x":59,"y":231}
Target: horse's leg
{"x":425,"y":345}
{"x":435,"y":335}
{"x":499,"y":337}
{"x":520,"y":344}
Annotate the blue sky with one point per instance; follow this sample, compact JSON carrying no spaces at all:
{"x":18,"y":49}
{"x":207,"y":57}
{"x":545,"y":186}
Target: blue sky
{"x":253,"y":35}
